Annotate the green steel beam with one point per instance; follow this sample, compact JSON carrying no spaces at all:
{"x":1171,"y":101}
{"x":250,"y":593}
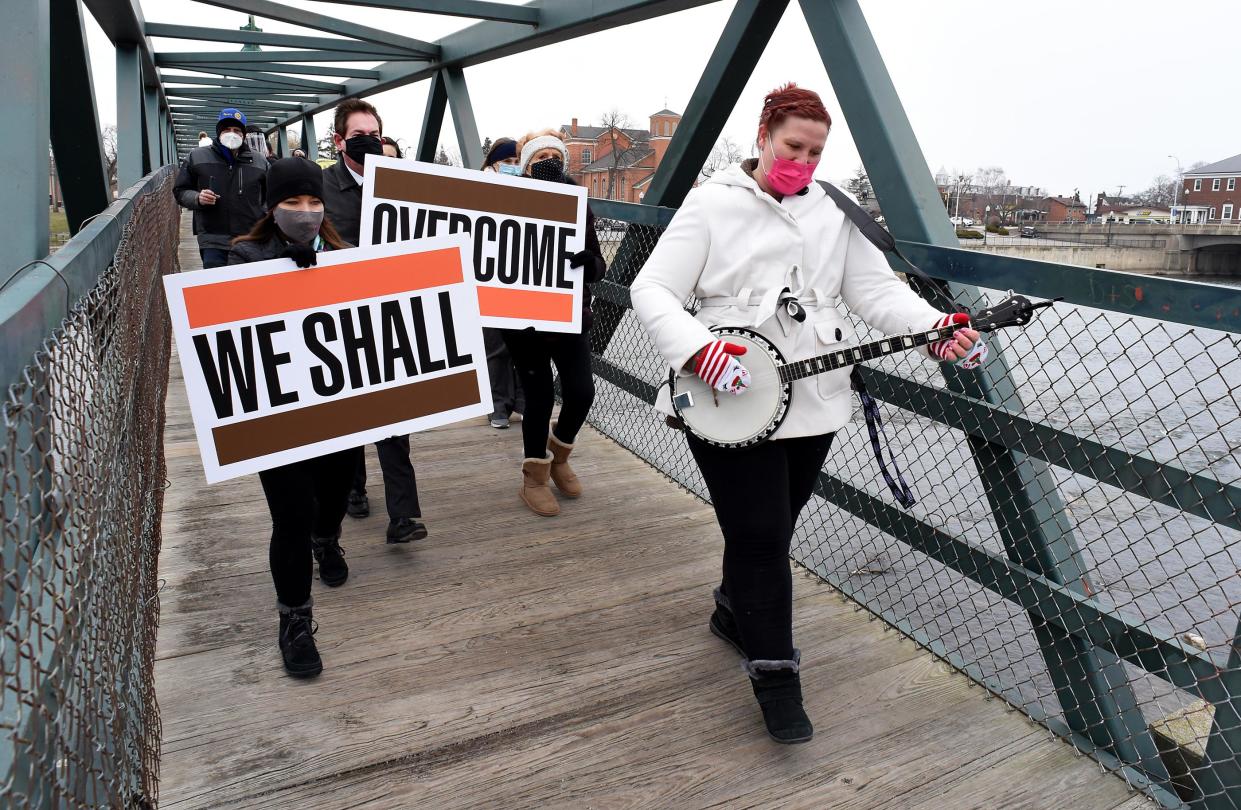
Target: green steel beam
{"x":432,"y":119}
{"x":264,"y":78}
{"x":1219,"y":780}
{"x":150,"y":119}
{"x":463,"y":118}
{"x":224,"y":81}
{"x":129,"y":102}
{"x":310,"y":141}
{"x":1193,"y":303}
{"x":332,"y":25}
{"x":76,"y":143}
{"x":263,"y":38}
{"x":287,"y":67}
{"x":1090,"y":683}
{"x":478,"y":9}
{"x":282,"y":141}
{"x":267,"y":105}
{"x":260,"y":59}
{"x":123,"y":23}
{"x":227,"y":94}
{"x":25,"y":106}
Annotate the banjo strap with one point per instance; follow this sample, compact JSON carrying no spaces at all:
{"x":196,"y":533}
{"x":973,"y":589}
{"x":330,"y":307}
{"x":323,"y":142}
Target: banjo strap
{"x":878,"y":236}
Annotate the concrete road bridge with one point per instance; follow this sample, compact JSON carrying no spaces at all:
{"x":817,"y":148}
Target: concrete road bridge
{"x":1061,"y":630}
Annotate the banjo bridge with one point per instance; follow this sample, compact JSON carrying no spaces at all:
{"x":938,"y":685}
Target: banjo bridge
{"x":683,"y":400}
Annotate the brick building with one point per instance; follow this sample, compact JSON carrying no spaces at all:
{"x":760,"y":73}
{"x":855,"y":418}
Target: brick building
{"x":618,"y":163}
{"x":1211,"y":193}
{"x":1064,"y":209}
{"x":1120,"y":209}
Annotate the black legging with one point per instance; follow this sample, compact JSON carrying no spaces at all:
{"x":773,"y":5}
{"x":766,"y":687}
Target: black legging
{"x":758,"y":492}
{"x":305,"y":497}
{"x":533,"y":353}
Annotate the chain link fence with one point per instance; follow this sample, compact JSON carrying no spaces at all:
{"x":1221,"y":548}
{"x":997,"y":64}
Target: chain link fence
{"x":80,"y":504}
{"x":1075,"y":546}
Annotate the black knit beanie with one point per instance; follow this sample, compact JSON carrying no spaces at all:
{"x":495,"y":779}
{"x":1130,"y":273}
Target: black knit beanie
{"x":293,"y":176}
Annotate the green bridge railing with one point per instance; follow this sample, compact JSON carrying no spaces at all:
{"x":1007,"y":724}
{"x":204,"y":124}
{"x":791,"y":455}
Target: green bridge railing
{"x":1086,"y":572}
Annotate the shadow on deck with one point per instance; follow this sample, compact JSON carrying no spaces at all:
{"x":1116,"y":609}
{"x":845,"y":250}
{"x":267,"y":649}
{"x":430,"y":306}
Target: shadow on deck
{"x":515,"y":661}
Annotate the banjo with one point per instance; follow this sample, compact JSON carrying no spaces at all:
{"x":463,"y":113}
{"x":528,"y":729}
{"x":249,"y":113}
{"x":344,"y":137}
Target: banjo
{"x":752,"y":417}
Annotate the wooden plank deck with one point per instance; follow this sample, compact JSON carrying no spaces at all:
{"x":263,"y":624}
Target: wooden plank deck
{"x":515,"y":661}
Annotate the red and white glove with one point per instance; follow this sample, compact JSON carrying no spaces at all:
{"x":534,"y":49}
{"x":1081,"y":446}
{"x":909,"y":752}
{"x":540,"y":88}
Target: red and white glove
{"x":943,"y":349}
{"x":718,"y":366}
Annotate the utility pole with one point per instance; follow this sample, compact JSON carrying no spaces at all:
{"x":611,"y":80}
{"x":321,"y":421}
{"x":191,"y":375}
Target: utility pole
{"x":1176,"y":190}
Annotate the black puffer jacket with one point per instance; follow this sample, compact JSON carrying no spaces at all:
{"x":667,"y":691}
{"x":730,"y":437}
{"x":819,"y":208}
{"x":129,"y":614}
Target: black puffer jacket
{"x":594,"y":269}
{"x":250,"y":251}
{"x":242,"y":186}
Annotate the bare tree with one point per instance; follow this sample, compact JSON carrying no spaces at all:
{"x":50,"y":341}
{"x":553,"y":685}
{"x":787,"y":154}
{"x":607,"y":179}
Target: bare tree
{"x":109,"y":153}
{"x":725,"y":153}
{"x":622,"y":143}
{"x":1161,"y":192}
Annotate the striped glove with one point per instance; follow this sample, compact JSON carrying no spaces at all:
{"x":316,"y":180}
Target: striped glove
{"x":718,"y":366}
{"x":942,"y":349}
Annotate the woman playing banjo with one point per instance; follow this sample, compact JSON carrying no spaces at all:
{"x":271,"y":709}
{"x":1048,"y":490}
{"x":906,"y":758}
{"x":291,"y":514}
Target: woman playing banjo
{"x":762,"y":246}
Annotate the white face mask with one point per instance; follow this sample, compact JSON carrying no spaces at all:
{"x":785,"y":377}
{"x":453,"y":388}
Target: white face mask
{"x":231,"y":140}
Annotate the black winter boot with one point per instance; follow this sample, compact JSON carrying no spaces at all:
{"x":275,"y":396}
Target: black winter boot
{"x":777,"y":686}
{"x":297,"y":643}
{"x":333,"y":570}
{"x":723,"y":624}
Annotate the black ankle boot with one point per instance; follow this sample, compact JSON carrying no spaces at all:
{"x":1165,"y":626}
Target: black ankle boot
{"x":723,"y":624}
{"x":777,"y":686}
{"x":297,"y":643}
{"x":333,"y":570}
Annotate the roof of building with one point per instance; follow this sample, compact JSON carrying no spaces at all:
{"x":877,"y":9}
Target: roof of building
{"x":666,"y":111}
{"x":644,"y":181}
{"x":1068,"y":202}
{"x":1230,"y":165}
{"x":627,"y":161}
{"x":593,"y":133}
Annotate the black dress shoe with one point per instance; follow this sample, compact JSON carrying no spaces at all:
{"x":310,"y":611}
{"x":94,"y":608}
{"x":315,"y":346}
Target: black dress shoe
{"x":406,"y":530}
{"x":358,"y":506}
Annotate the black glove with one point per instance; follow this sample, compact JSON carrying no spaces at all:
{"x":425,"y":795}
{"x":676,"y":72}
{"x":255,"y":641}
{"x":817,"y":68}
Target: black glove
{"x":591,"y":261}
{"x":302,"y":254}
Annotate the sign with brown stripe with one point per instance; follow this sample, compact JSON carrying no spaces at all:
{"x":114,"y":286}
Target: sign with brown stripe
{"x":522,"y":233}
{"x":283,"y":364}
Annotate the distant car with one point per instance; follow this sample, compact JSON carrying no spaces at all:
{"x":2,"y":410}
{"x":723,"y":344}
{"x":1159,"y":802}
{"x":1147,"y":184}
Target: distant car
{"x":1028,"y":232}
{"x":958,"y":221}
{"x":967,"y":222}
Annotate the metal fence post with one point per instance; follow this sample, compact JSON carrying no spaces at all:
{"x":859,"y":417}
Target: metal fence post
{"x":310,"y":141}
{"x":128,"y":116}
{"x":1219,"y":780}
{"x":282,"y":141}
{"x":432,"y":119}
{"x":463,"y":118}
{"x":25,"y":104}
{"x":150,"y":119}
{"x":1090,"y":683}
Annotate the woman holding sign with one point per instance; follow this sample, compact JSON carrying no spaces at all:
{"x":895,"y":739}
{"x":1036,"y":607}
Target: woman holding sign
{"x":542,"y":156}
{"x":762,"y":246}
{"x":307,"y":498}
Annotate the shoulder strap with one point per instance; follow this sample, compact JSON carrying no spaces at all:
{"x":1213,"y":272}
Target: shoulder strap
{"x":878,"y":236}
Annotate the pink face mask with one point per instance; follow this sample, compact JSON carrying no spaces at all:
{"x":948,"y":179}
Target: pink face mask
{"x":788,"y":176}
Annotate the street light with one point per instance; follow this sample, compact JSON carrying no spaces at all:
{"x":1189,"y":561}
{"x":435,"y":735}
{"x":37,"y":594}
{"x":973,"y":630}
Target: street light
{"x":1176,"y":190}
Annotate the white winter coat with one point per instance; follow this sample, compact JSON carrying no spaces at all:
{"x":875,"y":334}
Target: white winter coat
{"x":736,"y":248}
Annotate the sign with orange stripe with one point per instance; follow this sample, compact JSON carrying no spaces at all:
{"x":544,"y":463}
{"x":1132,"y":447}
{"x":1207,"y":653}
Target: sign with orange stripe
{"x":283,"y":364}
{"x":522,"y":233}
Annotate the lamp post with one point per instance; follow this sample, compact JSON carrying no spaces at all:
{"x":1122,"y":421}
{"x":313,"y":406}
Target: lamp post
{"x":1176,"y":190}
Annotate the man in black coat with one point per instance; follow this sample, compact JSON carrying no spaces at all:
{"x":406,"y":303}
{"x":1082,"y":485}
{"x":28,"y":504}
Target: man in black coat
{"x":356,"y":132}
{"x":224,"y":184}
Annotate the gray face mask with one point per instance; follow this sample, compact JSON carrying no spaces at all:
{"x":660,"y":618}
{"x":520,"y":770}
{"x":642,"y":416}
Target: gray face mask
{"x":298,"y":226}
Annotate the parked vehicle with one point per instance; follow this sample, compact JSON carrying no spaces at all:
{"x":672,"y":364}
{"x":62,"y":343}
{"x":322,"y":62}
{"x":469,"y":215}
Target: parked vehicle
{"x":1028,"y":232}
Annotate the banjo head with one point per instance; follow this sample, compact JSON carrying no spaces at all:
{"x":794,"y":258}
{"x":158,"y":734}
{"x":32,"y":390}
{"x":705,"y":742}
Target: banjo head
{"x":729,"y":420}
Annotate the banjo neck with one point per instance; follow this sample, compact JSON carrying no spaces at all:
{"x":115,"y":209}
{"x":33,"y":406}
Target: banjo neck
{"x":853,"y":355}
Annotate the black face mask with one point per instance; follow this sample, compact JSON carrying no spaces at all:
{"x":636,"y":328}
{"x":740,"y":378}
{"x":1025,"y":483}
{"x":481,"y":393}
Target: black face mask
{"x":359,"y":146}
{"x":551,"y":169}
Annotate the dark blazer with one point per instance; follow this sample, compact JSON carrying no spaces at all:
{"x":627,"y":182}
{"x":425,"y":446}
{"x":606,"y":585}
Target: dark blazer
{"x":242,"y":186}
{"x":342,"y":200}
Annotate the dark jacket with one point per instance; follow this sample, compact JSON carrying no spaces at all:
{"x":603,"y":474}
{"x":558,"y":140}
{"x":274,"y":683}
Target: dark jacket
{"x":242,"y":186}
{"x":250,"y":251}
{"x":342,"y":200}
{"x":594,"y":268}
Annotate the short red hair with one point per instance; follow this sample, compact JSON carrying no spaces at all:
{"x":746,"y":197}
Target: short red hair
{"x":791,"y":101}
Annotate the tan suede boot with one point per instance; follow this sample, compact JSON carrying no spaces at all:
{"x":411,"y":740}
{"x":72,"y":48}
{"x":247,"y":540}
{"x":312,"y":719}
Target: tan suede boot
{"x":534,"y":489}
{"x":562,"y":474}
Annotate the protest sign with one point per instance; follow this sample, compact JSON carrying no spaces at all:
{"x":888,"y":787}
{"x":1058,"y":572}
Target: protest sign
{"x":283,"y":364}
{"x":522,"y":233}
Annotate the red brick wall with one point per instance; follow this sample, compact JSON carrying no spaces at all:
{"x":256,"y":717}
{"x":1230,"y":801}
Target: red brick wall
{"x":1207,"y":196}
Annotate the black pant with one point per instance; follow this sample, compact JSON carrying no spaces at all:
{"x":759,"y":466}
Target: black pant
{"x":533,"y":354}
{"x":305,"y":498}
{"x":758,"y":493}
{"x":506,"y":393}
{"x":400,"y":484}
{"x":213,"y":257}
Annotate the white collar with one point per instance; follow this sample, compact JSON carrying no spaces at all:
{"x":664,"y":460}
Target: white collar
{"x":357,"y":177}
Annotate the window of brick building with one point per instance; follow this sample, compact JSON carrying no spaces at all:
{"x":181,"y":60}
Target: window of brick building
{"x":1226,"y":213}
{"x":1197,"y":185}
{"x":1212,"y":214}
{"x":587,"y":158}
{"x":1215,"y":184}
{"x":1232,"y":184}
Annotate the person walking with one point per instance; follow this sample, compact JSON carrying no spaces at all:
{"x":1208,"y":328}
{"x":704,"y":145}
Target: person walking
{"x":306,"y":498}
{"x":757,"y":228}
{"x":224,"y":184}
{"x":507,"y":398}
{"x":548,"y":444}
{"x":357,"y":131}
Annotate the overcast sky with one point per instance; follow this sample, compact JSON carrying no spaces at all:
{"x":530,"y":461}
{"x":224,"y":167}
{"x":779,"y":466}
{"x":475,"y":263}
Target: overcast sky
{"x":1085,"y":95}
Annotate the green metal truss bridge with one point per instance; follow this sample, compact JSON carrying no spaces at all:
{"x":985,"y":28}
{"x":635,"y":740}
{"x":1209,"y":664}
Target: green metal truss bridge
{"x":1088,"y":577}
